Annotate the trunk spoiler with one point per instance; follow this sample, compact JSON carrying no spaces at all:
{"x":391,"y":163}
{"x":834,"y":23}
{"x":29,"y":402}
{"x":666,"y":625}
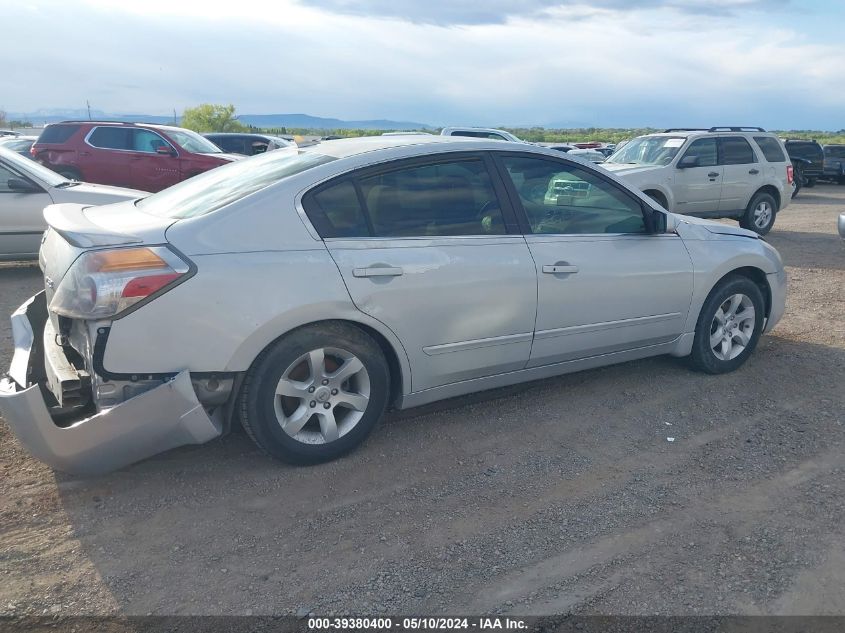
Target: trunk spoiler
{"x":69,"y":221}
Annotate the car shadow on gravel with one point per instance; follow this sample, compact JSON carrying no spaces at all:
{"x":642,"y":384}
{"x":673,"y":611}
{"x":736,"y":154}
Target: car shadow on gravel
{"x":801,"y":249}
{"x":224,"y":529}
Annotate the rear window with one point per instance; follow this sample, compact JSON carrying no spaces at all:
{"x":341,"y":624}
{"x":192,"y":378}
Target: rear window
{"x":57,"y":133}
{"x":770,"y":148}
{"x":835,"y":151}
{"x":808,"y":149}
{"x":223,"y":185}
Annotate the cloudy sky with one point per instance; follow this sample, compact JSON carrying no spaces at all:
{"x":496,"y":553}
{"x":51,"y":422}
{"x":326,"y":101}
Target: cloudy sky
{"x":775,"y":63}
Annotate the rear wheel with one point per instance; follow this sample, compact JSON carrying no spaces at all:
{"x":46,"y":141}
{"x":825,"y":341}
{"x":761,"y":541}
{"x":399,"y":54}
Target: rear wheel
{"x":810,"y":183}
{"x":729,"y":326}
{"x":316,"y":393}
{"x":760,"y":214}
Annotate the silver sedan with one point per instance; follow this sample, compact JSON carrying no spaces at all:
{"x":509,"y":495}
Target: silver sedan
{"x":26,"y":188}
{"x":304,"y":291}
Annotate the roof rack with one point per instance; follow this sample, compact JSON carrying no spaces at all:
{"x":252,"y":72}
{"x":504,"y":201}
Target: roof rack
{"x":720,"y":128}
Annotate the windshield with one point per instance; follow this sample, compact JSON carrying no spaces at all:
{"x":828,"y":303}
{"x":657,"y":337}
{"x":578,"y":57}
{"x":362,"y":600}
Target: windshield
{"x":193,"y":142}
{"x":30,"y":168}
{"x":648,"y":150}
{"x":220,"y":186}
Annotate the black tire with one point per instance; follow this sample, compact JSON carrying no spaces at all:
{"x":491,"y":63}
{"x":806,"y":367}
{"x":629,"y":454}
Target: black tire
{"x":69,"y":172}
{"x":810,"y":183}
{"x":797,"y":180}
{"x":748,"y":219}
{"x":703,"y":357}
{"x":258,"y":398}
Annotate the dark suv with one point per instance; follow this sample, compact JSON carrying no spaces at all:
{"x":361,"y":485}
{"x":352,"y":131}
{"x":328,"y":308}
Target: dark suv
{"x":834,"y":163}
{"x":808,"y":159}
{"x":136,"y":155}
{"x":247,"y":144}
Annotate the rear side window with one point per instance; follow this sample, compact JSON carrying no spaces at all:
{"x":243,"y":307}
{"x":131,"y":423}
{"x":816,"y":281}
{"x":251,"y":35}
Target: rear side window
{"x":340,"y":213}
{"x":57,"y":133}
{"x":770,"y":148}
{"x":439,"y":199}
{"x":111,"y":138}
{"x":450,"y":198}
{"x":735,"y":150}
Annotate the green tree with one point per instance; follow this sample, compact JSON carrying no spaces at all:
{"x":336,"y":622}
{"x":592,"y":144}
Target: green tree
{"x":210,"y":117}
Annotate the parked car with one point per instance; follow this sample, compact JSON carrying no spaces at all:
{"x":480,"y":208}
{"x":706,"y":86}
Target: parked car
{"x":720,"y":172}
{"x":20,"y":144}
{"x":139,"y":155}
{"x":798,"y":178}
{"x":813,"y":155}
{"x":588,"y":154}
{"x":308,"y":291}
{"x":247,"y":144}
{"x":560,"y":147}
{"x":480,"y":132}
{"x":606,"y":151}
{"x":26,"y":188}
{"x":834,"y":163}
{"x":9,"y":133}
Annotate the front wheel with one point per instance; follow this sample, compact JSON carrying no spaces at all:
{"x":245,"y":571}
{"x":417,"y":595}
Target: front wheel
{"x":316,"y":393}
{"x":729,"y":326}
{"x":760,"y":214}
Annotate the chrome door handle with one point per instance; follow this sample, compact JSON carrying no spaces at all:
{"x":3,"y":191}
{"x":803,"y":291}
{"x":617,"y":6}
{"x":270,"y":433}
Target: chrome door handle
{"x":557,"y":269}
{"x":377,"y":271}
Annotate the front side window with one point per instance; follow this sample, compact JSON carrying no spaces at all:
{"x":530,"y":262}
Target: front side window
{"x":111,"y":137}
{"x":736,"y":151}
{"x":5,"y":175}
{"x":448,"y":198}
{"x":146,"y":141}
{"x":705,"y":150}
{"x":564,"y":199}
{"x":192,"y":142}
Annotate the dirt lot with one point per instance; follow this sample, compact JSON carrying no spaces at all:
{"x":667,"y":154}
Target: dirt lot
{"x":561,"y":495}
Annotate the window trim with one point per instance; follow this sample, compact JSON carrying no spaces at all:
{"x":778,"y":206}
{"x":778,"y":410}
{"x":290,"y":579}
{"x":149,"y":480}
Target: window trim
{"x":317,"y":219}
{"x":129,"y":151}
{"x":658,"y":223}
{"x":720,"y":141}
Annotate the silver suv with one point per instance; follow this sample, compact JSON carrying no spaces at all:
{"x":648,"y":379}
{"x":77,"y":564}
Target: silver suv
{"x":721,"y":172}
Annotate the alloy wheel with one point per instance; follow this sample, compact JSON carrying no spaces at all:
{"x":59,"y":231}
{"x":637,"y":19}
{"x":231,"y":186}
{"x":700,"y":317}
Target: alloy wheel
{"x":732,"y":327}
{"x":762,"y":214}
{"x":322,"y":395}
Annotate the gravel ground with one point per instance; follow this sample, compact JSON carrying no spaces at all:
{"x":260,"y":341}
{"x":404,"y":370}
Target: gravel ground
{"x":558,"y":496}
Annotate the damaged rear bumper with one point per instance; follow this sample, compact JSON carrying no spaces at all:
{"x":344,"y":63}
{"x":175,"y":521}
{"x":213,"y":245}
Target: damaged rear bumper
{"x":155,"y":421}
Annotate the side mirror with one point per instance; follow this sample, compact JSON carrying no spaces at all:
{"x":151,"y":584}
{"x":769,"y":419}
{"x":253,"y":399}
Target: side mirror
{"x":22,"y":186}
{"x":655,"y":221}
{"x":165,"y":150}
{"x":688,"y":161}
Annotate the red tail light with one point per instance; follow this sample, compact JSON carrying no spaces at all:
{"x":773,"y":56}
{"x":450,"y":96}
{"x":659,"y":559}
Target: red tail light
{"x":790,"y":174}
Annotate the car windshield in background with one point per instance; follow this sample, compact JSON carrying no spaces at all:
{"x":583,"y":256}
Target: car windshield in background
{"x":30,"y":167}
{"x":193,"y":142}
{"x":648,"y":150}
{"x":216,"y":188}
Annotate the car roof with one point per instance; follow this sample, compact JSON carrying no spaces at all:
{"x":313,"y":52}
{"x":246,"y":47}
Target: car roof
{"x":343,"y":148}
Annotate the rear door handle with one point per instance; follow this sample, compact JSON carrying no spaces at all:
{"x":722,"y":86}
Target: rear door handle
{"x":557,"y":269}
{"x":713,"y":174}
{"x":753,"y":172}
{"x":377,"y":271}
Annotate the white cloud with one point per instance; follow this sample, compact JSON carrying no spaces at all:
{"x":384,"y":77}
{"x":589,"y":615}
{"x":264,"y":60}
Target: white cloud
{"x":572,"y":64}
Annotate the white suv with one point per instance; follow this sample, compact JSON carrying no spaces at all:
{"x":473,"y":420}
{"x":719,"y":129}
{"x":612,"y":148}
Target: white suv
{"x":721,"y":172}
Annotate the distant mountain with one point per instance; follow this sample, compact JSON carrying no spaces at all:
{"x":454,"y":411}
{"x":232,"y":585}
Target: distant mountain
{"x":52,"y":115}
